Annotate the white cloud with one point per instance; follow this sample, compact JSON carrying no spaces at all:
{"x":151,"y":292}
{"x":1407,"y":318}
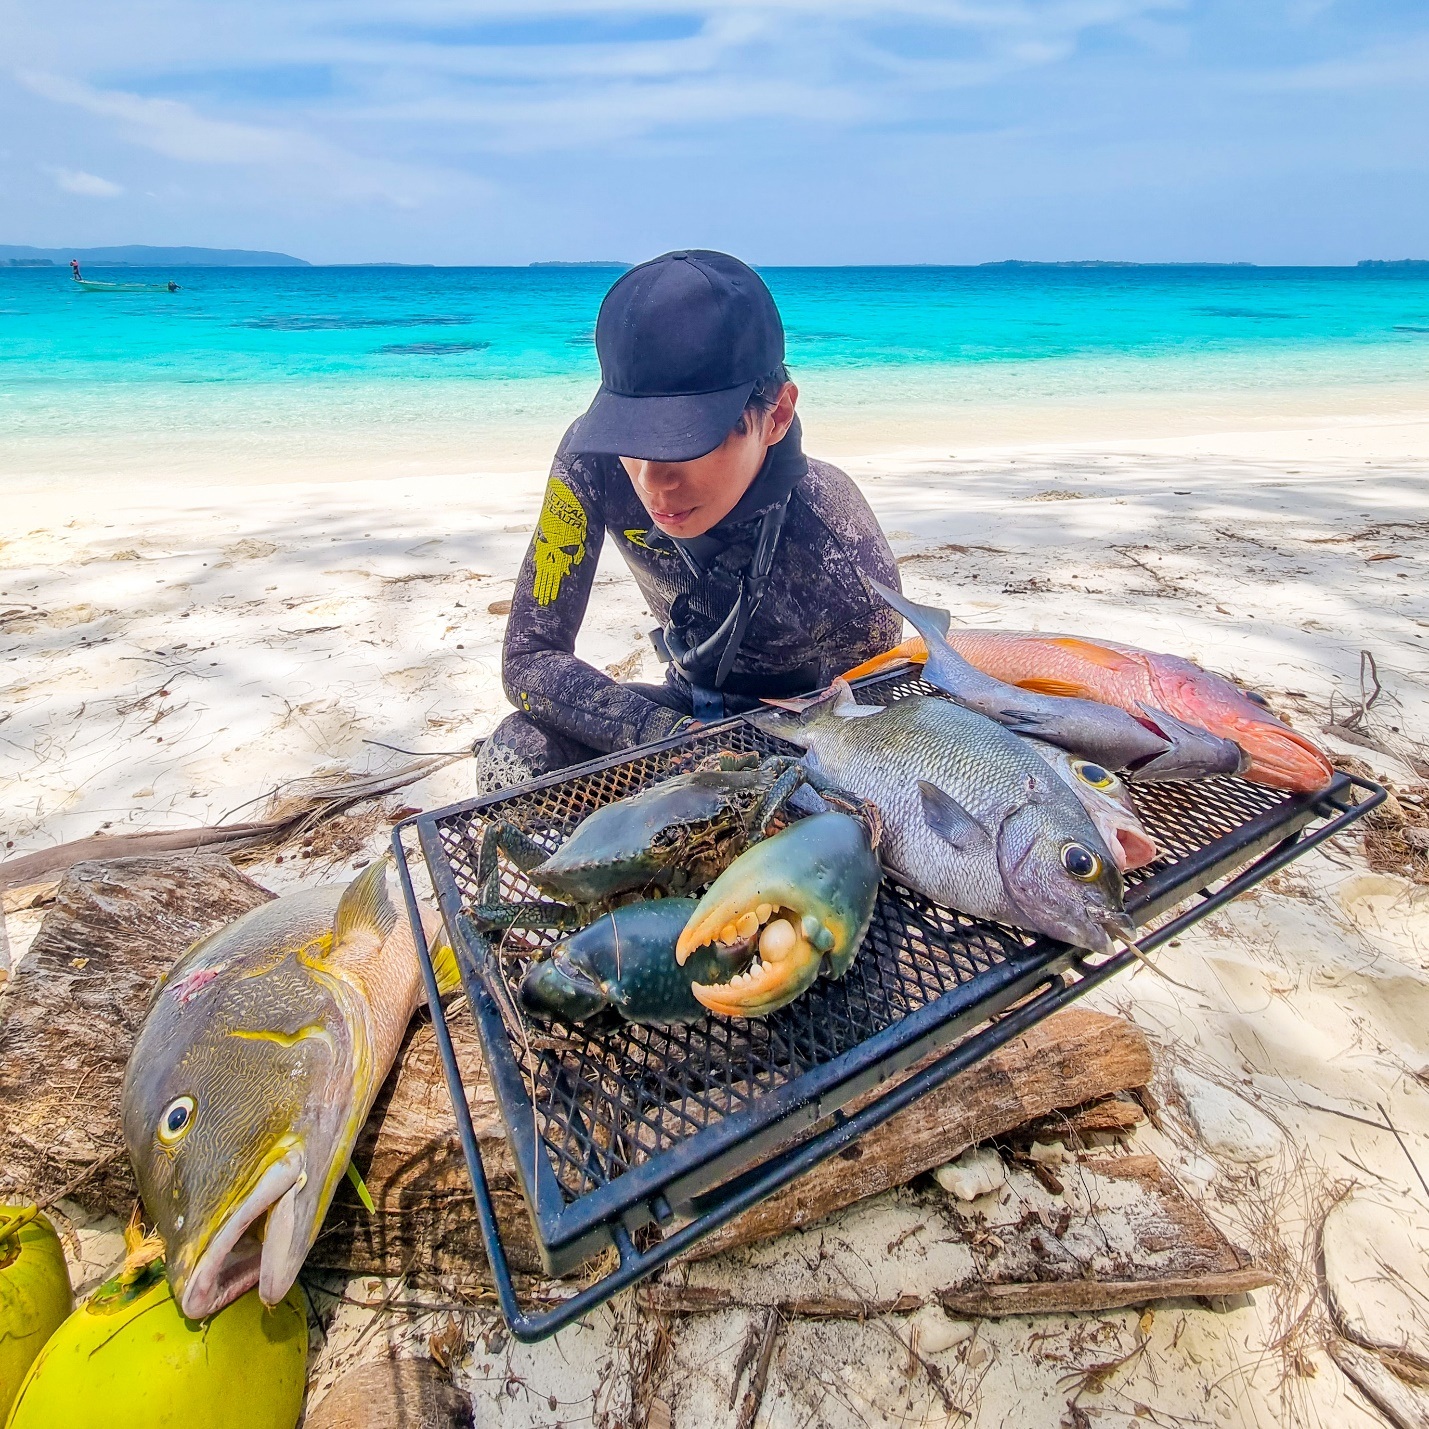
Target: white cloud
{"x":76,"y":181}
{"x":292,"y":156}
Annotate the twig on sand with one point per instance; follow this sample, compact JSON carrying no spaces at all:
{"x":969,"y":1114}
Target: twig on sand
{"x":754,"y":1395}
{"x":1395,"y":1130}
{"x":1164,"y":586}
{"x":421,"y":753}
{"x":1352,"y":725}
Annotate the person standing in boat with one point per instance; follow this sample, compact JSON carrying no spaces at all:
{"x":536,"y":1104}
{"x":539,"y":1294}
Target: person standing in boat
{"x":748,"y":553}
{"x":74,"y":270}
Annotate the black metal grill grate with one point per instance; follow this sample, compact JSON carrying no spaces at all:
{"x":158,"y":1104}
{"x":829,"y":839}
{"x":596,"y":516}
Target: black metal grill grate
{"x":607,"y":1099}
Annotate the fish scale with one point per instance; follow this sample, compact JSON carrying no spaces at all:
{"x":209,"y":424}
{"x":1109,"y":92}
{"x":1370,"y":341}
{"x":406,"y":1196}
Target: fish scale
{"x":996,"y":779}
{"x":269,"y":1041}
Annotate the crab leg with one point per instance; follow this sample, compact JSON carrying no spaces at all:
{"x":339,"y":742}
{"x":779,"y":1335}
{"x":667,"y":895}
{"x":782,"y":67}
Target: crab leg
{"x":806,"y":894}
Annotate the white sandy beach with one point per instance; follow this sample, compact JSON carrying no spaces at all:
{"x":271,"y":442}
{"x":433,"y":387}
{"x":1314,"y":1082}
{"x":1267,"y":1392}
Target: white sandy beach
{"x":176,"y":648}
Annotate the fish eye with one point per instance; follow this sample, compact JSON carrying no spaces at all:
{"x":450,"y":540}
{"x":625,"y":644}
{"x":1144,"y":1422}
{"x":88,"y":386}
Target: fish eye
{"x":177,"y":1118}
{"x":1081,"y":862}
{"x":1092,"y":774}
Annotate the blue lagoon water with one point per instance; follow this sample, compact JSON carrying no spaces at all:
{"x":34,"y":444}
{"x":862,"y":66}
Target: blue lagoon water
{"x":491,"y":362}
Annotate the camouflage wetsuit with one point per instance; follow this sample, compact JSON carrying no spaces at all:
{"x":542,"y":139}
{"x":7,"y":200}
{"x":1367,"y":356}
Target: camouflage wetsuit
{"x":815,"y":620}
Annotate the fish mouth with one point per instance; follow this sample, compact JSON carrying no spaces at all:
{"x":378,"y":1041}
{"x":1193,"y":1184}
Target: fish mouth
{"x":1131,"y":847}
{"x":1284,"y":758}
{"x":236,"y":1259}
{"x":1116,"y":925}
{"x":1136,"y":849}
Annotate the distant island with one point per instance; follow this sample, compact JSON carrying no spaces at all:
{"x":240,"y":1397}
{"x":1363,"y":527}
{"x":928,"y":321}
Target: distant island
{"x":1102,"y":263}
{"x":1416,"y":264}
{"x":139,"y":255}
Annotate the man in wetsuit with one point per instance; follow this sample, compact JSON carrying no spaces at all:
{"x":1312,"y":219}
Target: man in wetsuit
{"x":749,"y":554}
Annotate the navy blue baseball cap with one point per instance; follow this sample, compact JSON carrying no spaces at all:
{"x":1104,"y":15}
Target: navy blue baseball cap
{"x":682,"y":340}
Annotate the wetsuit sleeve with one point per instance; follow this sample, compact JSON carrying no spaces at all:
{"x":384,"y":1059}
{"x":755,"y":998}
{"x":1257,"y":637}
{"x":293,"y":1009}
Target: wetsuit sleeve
{"x":540,"y":671}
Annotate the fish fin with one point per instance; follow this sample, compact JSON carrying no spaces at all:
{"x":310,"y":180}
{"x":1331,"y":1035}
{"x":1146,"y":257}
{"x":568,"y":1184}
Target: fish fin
{"x":838,"y":700}
{"x":363,"y":1194}
{"x":1028,"y":723}
{"x":1050,"y":685}
{"x":365,"y":906}
{"x":1102,"y":655}
{"x":920,"y":617}
{"x":444,"y":963}
{"x":949,"y":820}
{"x":911,"y":651}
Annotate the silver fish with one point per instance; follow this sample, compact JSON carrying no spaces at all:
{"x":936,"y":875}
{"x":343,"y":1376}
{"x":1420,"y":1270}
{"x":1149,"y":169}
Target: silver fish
{"x":1157,"y":746}
{"x":972,"y":817}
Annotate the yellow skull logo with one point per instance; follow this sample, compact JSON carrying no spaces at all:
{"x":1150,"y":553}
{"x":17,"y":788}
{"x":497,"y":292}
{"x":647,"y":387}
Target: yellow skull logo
{"x":560,"y":540}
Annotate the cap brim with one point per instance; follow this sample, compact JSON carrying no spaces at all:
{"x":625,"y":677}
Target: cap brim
{"x":678,"y":428}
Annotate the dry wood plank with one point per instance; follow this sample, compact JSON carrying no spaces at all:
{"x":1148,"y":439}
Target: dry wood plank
{"x":70,"y":1017}
{"x":75,"y":1004}
{"x":1075,"y":1056}
{"x":706,"y":1299}
{"x":1109,"y":1115}
{"x":1073,"y":1296}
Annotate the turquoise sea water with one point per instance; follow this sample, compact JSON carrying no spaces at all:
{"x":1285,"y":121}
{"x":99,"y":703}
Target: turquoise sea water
{"x":248,"y":354}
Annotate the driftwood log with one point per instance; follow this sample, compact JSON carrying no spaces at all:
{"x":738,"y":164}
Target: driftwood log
{"x":69,"y":1018}
{"x":1132,"y":1237}
{"x":74,"y":1006}
{"x":1073,"y":1057}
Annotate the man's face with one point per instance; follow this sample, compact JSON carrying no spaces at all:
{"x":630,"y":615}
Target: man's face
{"x":687,"y":498}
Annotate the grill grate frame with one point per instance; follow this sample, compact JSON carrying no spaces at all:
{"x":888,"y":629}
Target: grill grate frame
{"x":615,"y":1125}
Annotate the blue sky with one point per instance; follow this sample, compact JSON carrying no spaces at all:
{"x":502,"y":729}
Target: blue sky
{"x":788,"y":131}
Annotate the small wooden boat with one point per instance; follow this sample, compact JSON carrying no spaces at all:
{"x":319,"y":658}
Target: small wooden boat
{"x":91,"y":285}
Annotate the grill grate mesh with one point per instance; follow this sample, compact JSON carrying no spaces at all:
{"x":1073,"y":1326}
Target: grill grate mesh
{"x":609,"y":1098}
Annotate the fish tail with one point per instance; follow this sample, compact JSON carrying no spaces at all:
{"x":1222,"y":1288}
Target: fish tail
{"x":913,"y":651}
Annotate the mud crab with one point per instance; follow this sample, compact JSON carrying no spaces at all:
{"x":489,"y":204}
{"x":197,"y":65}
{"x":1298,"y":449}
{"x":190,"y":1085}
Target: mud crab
{"x":790,"y":908}
{"x":673,"y":838}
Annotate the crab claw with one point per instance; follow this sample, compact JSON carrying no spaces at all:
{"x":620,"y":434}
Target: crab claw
{"x":806,"y":894}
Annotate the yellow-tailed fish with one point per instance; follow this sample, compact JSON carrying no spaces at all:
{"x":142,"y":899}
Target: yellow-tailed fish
{"x":259,"y":1059}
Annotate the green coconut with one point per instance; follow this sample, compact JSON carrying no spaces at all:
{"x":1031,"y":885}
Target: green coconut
{"x":35,"y":1296}
{"x":128,"y":1359}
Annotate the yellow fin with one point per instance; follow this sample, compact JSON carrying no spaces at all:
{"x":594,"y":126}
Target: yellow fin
{"x":363,"y":1194}
{"x":444,"y":963}
{"x":365,"y":906}
{"x":1050,"y":685}
{"x":1101,"y":655}
{"x":912,"y":649}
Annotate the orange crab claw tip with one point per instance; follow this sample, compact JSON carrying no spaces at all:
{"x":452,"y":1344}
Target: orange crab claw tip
{"x":694,"y":936}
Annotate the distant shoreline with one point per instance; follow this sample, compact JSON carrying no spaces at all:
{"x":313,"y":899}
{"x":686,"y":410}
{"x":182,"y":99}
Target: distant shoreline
{"x":140,"y":256}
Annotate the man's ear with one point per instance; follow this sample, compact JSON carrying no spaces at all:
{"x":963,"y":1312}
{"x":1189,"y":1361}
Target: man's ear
{"x":781,"y":415}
